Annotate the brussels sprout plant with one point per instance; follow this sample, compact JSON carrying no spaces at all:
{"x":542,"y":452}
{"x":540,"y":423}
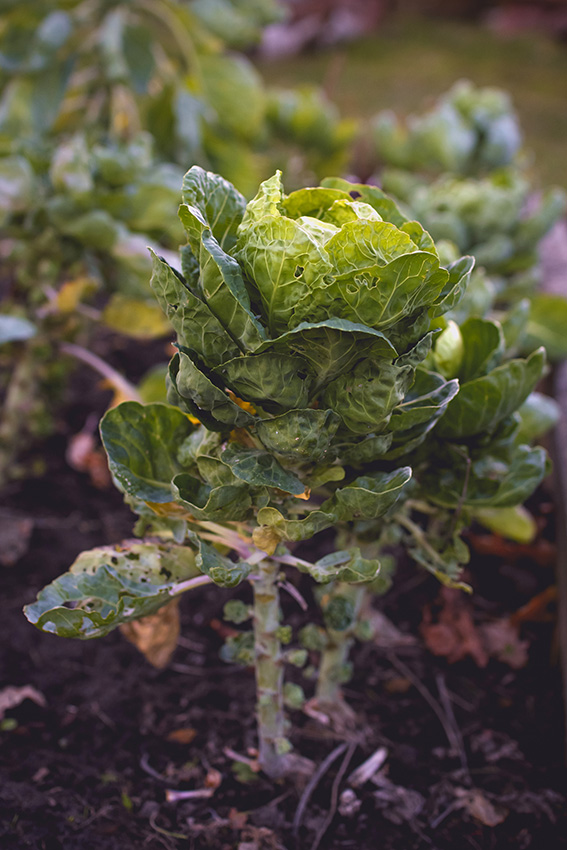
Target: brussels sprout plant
{"x":305,"y":395}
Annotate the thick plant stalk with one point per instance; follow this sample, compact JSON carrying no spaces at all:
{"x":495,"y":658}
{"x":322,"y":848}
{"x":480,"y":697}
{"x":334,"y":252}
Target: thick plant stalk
{"x":269,"y":670}
{"x":335,"y":656}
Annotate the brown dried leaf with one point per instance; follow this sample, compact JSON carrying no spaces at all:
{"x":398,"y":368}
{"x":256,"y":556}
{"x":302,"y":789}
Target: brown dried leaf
{"x":182,"y":736}
{"x":13,"y":695}
{"x":454,"y":635}
{"x":155,"y":636}
{"x":385,"y":633}
{"x":502,"y":641}
{"x":479,"y":807}
{"x":213,"y":778}
{"x":85,"y":455}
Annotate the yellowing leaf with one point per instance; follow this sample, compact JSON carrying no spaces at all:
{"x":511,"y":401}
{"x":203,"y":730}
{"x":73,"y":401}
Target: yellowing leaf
{"x":245,"y":405}
{"x":156,"y":635}
{"x":266,"y":538}
{"x":135,"y":317}
{"x":72,"y":293}
{"x":169,"y":509}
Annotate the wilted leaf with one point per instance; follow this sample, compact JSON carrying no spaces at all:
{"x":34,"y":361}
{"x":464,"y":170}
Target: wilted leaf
{"x":111,"y":585}
{"x":475,"y":802}
{"x":453,"y":634}
{"x":155,"y":636}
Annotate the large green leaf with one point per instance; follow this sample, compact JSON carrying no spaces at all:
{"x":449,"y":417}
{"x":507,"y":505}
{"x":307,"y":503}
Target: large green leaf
{"x":284,"y":263}
{"x":378,"y":296}
{"x":481,"y":404}
{"x":313,"y":202}
{"x":369,"y":496}
{"x":274,"y":381}
{"x":538,"y":414}
{"x":366,"y":397}
{"x":234,"y":89}
{"x":547,"y":325}
{"x":260,"y":469}
{"x":299,"y":435}
{"x":219,"y":205}
{"x":361,"y":245}
{"x":332,"y":346}
{"x":227,"y":503}
{"x":111,"y":585}
{"x":196,"y":326}
{"x":221,"y":283}
{"x":141,"y":442}
{"x":456,"y":287}
{"x":194,"y":385}
{"x":483,"y":347}
{"x":490,"y":480}
{"x":366,"y":451}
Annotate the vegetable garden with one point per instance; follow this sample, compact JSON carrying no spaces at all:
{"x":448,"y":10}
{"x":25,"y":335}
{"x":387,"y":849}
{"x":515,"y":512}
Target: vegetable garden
{"x":315,"y":541}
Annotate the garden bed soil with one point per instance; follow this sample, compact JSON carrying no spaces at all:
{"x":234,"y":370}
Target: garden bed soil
{"x":475,"y":755}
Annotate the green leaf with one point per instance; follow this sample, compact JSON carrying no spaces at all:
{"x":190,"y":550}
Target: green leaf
{"x":426,"y":401}
{"x":276,"y":382}
{"x":141,"y":442}
{"x":378,"y":296}
{"x":221,"y":283}
{"x":369,"y":496}
{"x":365,"y":397}
{"x":538,"y":414}
{"x":299,"y":435}
{"x":483,"y":347}
{"x":481,"y":404}
{"x":192,"y":384}
{"x":221,"y":570}
{"x":227,"y":503}
{"x":547,"y":325}
{"x":515,"y":523}
{"x":285,"y":264}
{"x":449,"y":350}
{"x":313,"y":202}
{"x":345,"y":566}
{"x":295,"y":529}
{"x":490,"y":479}
{"x":224,"y":291}
{"x":456,"y":287}
{"x":267,"y":202}
{"x":372,"y":195}
{"x":217,"y":203}
{"x":111,"y":585}
{"x":332,"y":346}
{"x":367,"y":451}
{"x":197,"y":328}
{"x":260,"y":469}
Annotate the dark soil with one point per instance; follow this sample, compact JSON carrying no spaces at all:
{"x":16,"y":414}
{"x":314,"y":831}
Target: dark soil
{"x":90,"y":769}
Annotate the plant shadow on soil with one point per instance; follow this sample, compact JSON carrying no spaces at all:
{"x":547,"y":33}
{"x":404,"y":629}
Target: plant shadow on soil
{"x":89,"y":770}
